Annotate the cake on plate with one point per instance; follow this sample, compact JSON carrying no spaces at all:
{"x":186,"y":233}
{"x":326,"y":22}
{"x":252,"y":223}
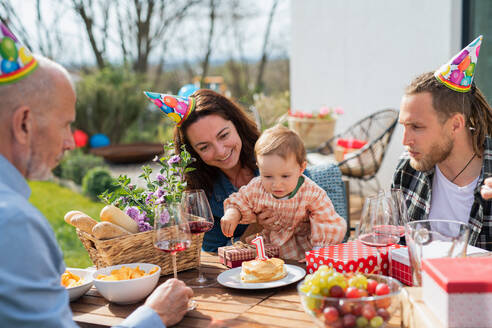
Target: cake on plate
{"x":263,"y":270}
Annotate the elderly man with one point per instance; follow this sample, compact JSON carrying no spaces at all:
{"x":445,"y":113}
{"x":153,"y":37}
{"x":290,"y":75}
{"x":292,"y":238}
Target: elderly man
{"x":447,"y":133}
{"x":37,"y":108}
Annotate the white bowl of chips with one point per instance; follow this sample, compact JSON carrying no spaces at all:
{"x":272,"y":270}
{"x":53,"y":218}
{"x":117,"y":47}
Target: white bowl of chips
{"x":77,"y":282}
{"x":127,"y":283}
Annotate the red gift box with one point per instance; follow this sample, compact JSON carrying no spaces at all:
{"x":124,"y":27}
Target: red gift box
{"x":459,"y":290}
{"x":400,"y":265}
{"x":352,"y":256}
{"x":232,"y":256}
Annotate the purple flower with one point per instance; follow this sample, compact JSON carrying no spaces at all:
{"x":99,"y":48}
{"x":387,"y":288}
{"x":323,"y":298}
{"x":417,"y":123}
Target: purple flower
{"x":164,"y":217}
{"x":149,"y":198}
{"x":144,"y":226}
{"x":133,"y":212}
{"x":159,"y":193}
{"x":131,"y":187}
{"x":174,"y":160}
{"x":161,"y":178}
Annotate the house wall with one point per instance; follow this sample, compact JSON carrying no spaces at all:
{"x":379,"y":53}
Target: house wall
{"x":361,"y":54}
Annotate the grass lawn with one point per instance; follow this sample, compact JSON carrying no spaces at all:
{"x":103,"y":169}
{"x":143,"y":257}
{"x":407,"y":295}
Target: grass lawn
{"x":54,"y":201}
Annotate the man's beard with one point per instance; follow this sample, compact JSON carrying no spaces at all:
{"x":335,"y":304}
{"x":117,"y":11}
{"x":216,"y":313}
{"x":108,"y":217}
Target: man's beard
{"x":437,"y":154}
{"x":36,"y":168}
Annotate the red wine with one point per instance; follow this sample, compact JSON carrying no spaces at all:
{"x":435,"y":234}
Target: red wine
{"x":200,"y":226}
{"x":378,"y":240}
{"x":173,"y":246}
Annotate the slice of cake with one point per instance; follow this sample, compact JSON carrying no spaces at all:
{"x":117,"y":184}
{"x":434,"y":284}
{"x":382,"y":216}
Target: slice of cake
{"x":263,"y":270}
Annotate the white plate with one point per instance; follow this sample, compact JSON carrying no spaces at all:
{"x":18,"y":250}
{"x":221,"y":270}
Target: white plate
{"x":231,"y":278}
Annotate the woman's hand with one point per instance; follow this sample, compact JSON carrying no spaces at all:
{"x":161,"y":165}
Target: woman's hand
{"x":268,"y":220}
{"x":486,"y":189}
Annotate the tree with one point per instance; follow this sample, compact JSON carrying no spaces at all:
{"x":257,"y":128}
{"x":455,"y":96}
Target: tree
{"x":141,"y":26}
{"x":259,"y":80}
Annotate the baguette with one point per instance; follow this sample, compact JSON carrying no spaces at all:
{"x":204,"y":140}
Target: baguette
{"x":83,"y":222}
{"x":71,"y":214}
{"x":108,"y":230}
{"x":114,"y":215}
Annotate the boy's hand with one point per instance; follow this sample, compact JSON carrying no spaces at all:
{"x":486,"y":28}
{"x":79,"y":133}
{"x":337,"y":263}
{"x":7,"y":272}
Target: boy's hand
{"x":229,"y":221}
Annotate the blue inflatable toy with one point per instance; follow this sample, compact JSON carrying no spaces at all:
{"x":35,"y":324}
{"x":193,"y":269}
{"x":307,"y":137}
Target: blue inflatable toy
{"x":187,"y":90}
{"x":99,"y":140}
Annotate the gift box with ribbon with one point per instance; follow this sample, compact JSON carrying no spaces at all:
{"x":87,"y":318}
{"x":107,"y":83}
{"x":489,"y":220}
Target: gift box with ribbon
{"x":345,"y":146}
{"x":459,"y":290}
{"x":352,"y":256}
{"x":232,"y":256}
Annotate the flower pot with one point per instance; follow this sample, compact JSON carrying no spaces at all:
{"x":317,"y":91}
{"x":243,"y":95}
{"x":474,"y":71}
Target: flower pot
{"x":313,"y":131}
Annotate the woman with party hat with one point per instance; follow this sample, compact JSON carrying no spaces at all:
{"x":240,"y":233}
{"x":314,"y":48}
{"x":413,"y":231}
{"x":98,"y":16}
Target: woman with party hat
{"x":221,"y":137}
{"x":447,"y":134}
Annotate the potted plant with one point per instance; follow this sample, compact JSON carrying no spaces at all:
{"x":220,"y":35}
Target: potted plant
{"x":316,"y":127}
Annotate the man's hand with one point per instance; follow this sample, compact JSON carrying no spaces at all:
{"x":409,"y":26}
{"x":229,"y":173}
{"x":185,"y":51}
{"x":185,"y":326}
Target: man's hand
{"x":486,"y":189}
{"x":268,"y":220}
{"x":170,"y":301}
{"x":229,"y":221}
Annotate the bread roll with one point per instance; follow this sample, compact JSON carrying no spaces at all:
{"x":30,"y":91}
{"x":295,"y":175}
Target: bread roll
{"x":83,"y":222}
{"x":114,"y":215}
{"x":71,"y":214}
{"x":108,"y":230}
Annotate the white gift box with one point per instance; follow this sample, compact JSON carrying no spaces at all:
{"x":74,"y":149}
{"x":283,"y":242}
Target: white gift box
{"x":459,"y":290}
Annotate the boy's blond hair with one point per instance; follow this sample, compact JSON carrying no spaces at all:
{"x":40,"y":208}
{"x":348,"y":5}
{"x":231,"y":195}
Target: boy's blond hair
{"x":281,"y":141}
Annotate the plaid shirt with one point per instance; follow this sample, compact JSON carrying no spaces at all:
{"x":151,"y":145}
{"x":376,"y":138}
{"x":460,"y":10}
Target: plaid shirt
{"x":417,"y":189}
{"x":308,"y":218}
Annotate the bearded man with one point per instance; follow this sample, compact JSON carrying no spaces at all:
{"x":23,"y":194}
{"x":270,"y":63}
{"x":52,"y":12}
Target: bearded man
{"x":447,"y":134}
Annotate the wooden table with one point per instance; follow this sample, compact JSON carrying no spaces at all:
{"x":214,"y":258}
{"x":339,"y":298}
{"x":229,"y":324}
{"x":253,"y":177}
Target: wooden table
{"x":217,"y":306}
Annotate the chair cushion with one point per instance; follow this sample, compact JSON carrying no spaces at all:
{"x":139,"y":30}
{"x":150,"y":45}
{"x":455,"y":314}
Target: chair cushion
{"x":329,"y":178}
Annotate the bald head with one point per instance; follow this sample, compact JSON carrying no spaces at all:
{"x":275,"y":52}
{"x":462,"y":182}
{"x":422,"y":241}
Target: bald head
{"x":35,"y":90}
{"x":35,"y":117}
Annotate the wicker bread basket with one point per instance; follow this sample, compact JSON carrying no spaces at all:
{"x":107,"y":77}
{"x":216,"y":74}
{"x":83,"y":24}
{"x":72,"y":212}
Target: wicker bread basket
{"x":139,"y":247}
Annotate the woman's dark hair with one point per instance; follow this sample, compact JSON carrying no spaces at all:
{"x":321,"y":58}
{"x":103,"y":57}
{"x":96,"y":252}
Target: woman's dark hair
{"x":446,"y":102}
{"x":208,"y":103}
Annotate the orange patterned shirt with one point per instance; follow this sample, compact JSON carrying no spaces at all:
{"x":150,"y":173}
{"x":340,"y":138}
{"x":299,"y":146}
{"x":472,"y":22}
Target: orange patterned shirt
{"x":308,"y":218}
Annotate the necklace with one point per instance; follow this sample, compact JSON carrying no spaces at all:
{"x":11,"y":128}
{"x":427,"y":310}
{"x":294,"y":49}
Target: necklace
{"x":471,"y":159}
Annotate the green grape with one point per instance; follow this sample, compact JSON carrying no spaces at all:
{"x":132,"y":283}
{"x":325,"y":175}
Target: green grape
{"x":337,"y":279}
{"x":305,"y":288}
{"x":307,"y":278}
{"x":361,"y":322}
{"x":359,"y":281}
{"x":325,"y":291}
{"x":312,"y":303}
{"x":314,"y":289}
{"x":315,"y":280}
{"x":377,"y":322}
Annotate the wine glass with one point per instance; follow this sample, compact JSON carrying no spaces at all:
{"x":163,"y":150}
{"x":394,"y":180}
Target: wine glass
{"x":171,"y":231}
{"x":197,"y":211}
{"x":379,"y":224}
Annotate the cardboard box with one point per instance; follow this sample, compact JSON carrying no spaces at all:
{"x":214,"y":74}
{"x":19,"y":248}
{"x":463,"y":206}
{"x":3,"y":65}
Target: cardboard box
{"x":352,"y":256}
{"x":459,"y":290}
{"x":400,"y":265}
{"x":234,"y":255}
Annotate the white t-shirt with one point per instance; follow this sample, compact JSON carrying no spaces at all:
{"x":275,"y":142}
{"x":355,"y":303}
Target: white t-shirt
{"x":450,"y":202}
